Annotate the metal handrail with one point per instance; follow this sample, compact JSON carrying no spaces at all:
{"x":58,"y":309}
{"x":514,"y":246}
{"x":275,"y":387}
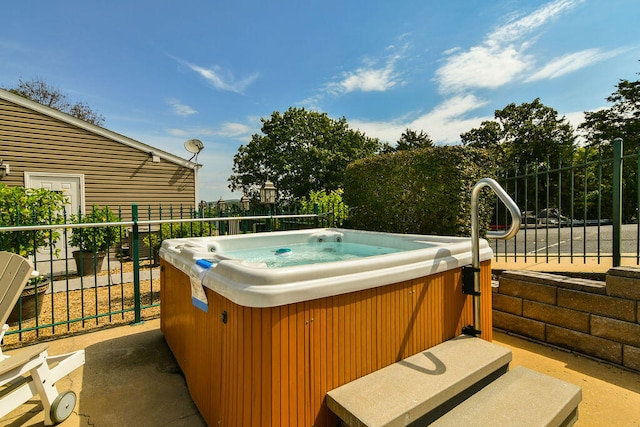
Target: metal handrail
{"x":475,"y":238}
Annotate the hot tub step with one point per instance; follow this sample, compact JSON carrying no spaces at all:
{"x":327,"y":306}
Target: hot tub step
{"x":521,"y":397}
{"x":422,"y":387}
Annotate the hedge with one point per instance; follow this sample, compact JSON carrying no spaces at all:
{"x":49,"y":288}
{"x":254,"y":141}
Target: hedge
{"x":426,"y":191}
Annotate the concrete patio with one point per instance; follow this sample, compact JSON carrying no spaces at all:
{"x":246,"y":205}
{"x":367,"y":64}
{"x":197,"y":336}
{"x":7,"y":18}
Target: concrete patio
{"x":131,"y":379}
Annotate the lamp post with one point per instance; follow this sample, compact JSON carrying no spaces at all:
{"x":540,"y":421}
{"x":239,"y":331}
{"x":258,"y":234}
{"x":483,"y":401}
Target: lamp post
{"x":268,"y":193}
{"x":222,"y":206}
{"x":245,"y":204}
{"x":268,"y":197}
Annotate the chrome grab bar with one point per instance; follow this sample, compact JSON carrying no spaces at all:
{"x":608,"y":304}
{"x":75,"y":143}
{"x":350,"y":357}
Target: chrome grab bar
{"x":475,"y":240}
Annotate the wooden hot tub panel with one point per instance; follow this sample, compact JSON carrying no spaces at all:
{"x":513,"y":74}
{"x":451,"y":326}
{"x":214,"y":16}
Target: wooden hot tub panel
{"x":273,"y":366}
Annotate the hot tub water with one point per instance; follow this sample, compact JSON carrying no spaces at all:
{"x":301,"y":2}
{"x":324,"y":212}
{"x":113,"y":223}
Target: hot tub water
{"x":309,"y":253}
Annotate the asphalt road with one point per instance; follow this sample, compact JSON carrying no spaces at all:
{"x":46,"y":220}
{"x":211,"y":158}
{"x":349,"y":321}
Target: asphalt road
{"x":566,"y":240}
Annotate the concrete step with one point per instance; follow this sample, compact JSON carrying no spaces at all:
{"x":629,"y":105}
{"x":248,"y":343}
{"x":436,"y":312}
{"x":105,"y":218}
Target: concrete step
{"x":521,"y":397}
{"x":422,"y":387}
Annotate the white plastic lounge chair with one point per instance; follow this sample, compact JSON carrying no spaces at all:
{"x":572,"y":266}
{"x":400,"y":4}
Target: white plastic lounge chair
{"x":30,"y":371}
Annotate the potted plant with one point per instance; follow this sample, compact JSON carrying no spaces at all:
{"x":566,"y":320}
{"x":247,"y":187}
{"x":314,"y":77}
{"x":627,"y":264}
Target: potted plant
{"x":92,"y":242}
{"x":153,"y":241}
{"x":30,"y":303}
{"x":30,"y":206}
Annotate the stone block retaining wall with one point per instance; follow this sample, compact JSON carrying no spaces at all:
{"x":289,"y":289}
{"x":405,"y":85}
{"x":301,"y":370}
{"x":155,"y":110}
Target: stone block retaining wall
{"x":599,"y":319}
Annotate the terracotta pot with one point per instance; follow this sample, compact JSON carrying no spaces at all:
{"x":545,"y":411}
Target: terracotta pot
{"x":85,"y":263}
{"x":28,"y":298}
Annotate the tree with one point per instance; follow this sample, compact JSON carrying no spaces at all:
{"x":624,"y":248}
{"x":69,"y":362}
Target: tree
{"x":41,"y":92}
{"x":300,"y":151}
{"x":487,"y":136}
{"x":410,"y":140}
{"x":526,"y":138}
{"x":621,"y":120}
{"x":525,"y":133}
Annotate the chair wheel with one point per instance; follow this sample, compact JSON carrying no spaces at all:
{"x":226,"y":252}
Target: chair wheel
{"x":62,"y":406}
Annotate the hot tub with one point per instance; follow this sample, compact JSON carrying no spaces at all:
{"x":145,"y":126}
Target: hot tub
{"x":261,"y":337}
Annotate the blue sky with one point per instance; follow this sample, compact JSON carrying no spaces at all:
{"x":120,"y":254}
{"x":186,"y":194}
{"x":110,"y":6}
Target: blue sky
{"x":162,"y":72}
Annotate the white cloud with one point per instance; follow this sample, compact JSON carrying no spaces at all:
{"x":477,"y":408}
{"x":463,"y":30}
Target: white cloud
{"x":576,"y":118}
{"x":501,"y":57}
{"x":455,"y":107}
{"x":448,"y":120}
{"x":311,"y":103}
{"x":377,"y":75}
{"x":236,"y":130}
{"x":191,"y":132}
{"x":178,"y":132}
{"x":220,"y":79}
{"x":482,"y":67}
{"x":366,"y":80}
{"x":444,"y":123}
{"x":385,"y":131}
{"x":572,"y":62}
{"x":223,"y":80}
{"x":180,"y":109}
{"x":517,"y":29}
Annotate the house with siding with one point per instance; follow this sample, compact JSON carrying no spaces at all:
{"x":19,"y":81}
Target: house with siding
{"x":43,"y":147}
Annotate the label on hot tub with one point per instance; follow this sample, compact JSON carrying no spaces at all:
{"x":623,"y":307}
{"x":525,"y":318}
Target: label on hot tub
{"x":198,"y":296}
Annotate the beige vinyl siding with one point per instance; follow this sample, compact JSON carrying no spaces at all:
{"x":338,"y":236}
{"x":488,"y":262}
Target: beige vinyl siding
{"x":115,"y":174}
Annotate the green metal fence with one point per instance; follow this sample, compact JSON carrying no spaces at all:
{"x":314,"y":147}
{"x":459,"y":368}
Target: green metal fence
{"x":578,"y":212}
{"x":581,"y":211}
{"x":121,"y":284}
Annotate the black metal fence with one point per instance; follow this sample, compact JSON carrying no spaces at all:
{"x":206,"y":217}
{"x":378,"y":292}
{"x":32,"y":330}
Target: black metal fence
{"x":585,"y":210}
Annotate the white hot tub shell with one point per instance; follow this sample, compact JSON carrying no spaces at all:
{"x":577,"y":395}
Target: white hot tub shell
{"x":255,"y":285}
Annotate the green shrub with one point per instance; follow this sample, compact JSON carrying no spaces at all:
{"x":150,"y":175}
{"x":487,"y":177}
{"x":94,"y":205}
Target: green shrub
{"x":328,"y":203}
{"x":90,"y":239}
{"x":425,"y":191}
{"x":29,"y":206}
{"x":177,"y":230}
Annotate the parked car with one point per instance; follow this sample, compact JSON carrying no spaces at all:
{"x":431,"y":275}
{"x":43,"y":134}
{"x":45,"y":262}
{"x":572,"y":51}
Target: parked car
{"x":529,"y":219}
{"x":551,"y":217}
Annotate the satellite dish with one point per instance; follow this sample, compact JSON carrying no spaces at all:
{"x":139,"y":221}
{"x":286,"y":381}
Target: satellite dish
{"x":193,"y":146}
